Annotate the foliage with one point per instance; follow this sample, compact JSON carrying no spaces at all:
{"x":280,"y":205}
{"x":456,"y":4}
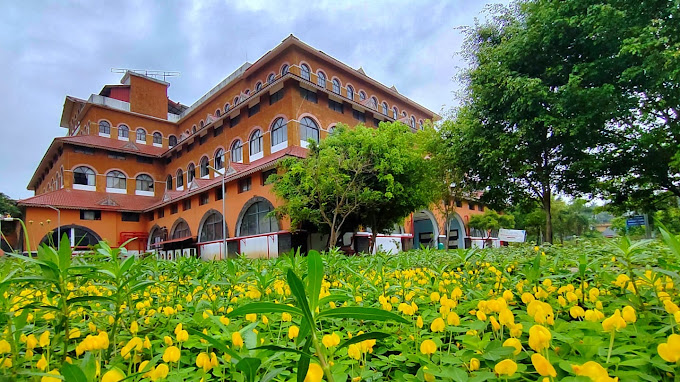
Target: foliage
{"x":8,"y":206}
{"x":360,"y":176}
{"x":470,"y":314}
{"x":491,"y":221}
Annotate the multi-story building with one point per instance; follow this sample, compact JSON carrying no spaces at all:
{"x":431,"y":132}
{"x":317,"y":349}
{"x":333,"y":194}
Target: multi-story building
{"x":135,"y":164}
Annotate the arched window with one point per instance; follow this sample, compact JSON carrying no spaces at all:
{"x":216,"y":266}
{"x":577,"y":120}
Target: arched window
{"x":123,"y":131}
{"x":181,"y":230}
{"x":420,"y":122}
{"x":271,"y":78}
{"x":218,"y":113}
{"x":141,"y":135}
{"x":226,"y":108}
{"x":284,"y":69}
{"x":193,"y":128}
{"x":413,"y":122}
{"x":256,"y":142}
{"x":211,"y":229}
{"x":84,"y":176}
{"x":394,"y":112}
{"x":258,"y":86}
{"x":321,"y":79}
{"x":279,"y":132}
{"x":237,"y":152}
{"x":172,"y":141}
{"x":116,"y":179}
{"x":374,"y":103}
{"x":309,"y":129}
{"x":202,"y":124}
{"x":350,"y":92}
{"x":305,"y":72}
{"x":144,"y":183}
{"x":157,"y":138}
{"x":384,"y":108}
{"x":255,"y":220}
{"x":236,"y":99}
{"x":219,"y":159}
{"x":180,"y":178}
{"x":336,"y":86}
{"x":104,"y":127}
{"x":247,"y":92}
{"x":78,"y":236}
{"x":362,"y":95}
{"x":205,"y":171}
{"x":331,"y":130}
{"x":156,"y":235}
{"x":168,"y":183}
{"x":191,"y":173}
{"x":403,"y":113}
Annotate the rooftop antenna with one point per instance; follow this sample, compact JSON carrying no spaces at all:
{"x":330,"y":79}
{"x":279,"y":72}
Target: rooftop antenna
{"x":149,"y":73}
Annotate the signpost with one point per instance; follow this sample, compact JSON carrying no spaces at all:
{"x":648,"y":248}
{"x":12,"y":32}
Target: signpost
{"x":635,"y":221}
{"x":512,"y":235}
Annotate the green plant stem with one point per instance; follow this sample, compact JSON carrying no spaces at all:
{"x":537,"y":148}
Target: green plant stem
{"x":322,"y":358}
{"x":611,"y":345}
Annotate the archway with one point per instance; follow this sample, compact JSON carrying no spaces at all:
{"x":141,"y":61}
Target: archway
{"x":253,"y":219}
{"x":425,"y":230}
{"x":456,"y":234}
{"x":79,"y":236}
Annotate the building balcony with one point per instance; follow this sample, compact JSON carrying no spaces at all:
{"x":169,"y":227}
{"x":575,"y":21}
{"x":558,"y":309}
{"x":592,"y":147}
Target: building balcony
{"x":109,"y":102}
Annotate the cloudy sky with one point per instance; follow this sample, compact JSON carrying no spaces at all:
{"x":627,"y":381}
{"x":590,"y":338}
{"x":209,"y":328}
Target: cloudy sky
{"x":56,"y":48}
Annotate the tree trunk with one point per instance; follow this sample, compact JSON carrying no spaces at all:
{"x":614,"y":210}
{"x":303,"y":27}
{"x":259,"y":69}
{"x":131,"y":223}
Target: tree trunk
{"x":371,"y":245}
{"x":333,"y":238}
{"x":547,"y":200}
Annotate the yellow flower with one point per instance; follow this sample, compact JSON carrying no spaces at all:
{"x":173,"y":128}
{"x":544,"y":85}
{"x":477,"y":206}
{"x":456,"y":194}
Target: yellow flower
{"x":203,"y":361}
{"x":31,"y":341}
{"x":143,"y":368}
{"x":614,"y":322}
{"x":474,"y":364}
{"x":513,"y":343}
{"x":481,"y":316}
{"x":628,"y":314}
{"x":167,"y":340}
{"x":5,"y":347}
{"x":236,"y":339}
{"x":134,"y":327}
{"x":670,"y":350}
{"x":505,"y":316}
{"x":539,"y":338}
{"x":593,"y":370}
{"x":51,"y":379}
{"x":419,"y":322}
{"x":314,"y":373}
{"x":286,"y":317}
{"x":576,"y":311}
{"x":330,"y":340}
{"x":224,"y":320}
{"x":252,"y":317}
{"x":171,"y":354}
{"x":160,"y":372}
{"x":182,"y":336}
{"x":113,"y":375}
{"x":293,"y":332}
{"x":428,"y":347}
{"x":74,"y":333}
{"x":543,"y":366}
{"x":42,"y":363}
{"x":353,"y":351}
{"x":438,"y":325}
{"x":506,"y":367}
{"x":44,"y":339}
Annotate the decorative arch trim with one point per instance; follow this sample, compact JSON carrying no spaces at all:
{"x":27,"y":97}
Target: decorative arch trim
{"x":246,"y":205}
{"x":205,"y":217}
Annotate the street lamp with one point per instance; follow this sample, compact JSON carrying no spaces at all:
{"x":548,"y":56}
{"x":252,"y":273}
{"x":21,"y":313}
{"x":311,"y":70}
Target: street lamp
{"x":9,"y":218}
{"x":58,"y":224}
{"x":224,"y":218}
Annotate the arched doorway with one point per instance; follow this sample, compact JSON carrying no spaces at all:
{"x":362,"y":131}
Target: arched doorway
{"x":425,"y":230}
{"x":79,"y":236}
{"x":456,"y":234}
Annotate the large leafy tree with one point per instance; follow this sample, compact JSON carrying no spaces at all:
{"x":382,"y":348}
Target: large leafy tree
{"x":538,"y":103}
{"x":360,"y":176}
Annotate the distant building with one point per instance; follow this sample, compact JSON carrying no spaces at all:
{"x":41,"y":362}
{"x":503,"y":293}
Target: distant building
{"x":135,"y":164}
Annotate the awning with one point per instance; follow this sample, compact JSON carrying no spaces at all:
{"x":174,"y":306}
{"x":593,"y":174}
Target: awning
{"x":179,"y":240}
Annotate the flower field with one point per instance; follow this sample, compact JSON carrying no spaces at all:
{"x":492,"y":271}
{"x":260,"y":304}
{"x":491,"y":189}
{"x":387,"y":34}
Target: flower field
{"x":595,"y":311}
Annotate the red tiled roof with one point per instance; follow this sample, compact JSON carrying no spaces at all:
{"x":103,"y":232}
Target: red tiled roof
{"x":241,"y":170}
{"x":80,"y":200}
{"x":115,"y":144}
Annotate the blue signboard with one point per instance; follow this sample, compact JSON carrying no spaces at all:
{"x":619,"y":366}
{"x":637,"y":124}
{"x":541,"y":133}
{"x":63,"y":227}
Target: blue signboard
{"x":635,"y":221}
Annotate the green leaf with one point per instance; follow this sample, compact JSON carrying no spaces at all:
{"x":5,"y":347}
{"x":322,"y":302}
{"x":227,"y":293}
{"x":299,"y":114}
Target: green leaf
{"x":361,"y":313}
{"x":281,"y":349}
{"x":248,"y":366}
{"x":217,"y":344}
{"x":302,"y":367}
{"x":82,"y":299}
{"x":298,"y":290}
{"x":314,"y":278}
{"x":72,"y":373}
{"x":264,"y":307}
{"x":64,"y":253}
{"x":364,"y":337}
{"x":334,"y":297}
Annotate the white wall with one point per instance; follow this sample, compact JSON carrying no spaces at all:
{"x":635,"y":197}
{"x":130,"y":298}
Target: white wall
{"x":260,"y":246}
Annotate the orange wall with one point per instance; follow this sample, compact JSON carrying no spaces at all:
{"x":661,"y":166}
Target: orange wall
{"x":98,"y":113}
{"x":148,"y":97}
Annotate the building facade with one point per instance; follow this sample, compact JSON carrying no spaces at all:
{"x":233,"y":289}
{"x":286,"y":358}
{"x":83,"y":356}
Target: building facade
{"x":136,"y":165}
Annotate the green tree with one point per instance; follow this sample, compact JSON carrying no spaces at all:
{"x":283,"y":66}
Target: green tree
{"x":360,"y":176}
{"x":491,"y":221}
{"x":535,"y":113}
{"x":8,"y":206}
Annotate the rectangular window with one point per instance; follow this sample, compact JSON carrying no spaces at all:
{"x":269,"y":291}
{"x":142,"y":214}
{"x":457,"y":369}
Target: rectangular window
{"x":335,"y":106}
{"x":203,"y":199}
{"x":218,"y":131}
{"x":84,"y":150}
{"x":308,"y":95}
{"x":90,"y":215}
{"x":278,"y":96}
{"x":480,"y":207}
{"x":266,"y":174}
{"x":161,"y":212}
{"x":234,"y":121}
{"x":190,"y":147}
{"x":129,"y":217}
{"x":244,"y":185}
{"x":376,"y":122}
{"x":117,"y":156}
{"x":150,"y":216}
{"x":178,"y":154}
{"x":147,"y":160}
{"x":253,"y":110}
{"x":358,"y":115}
{"x":459,"y":203}
{"x":471,"y":206}
{"x":186,"y":204}
{"x":173,"y":208}
{"x":218,"y":194}
{"x":203,"y":139}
